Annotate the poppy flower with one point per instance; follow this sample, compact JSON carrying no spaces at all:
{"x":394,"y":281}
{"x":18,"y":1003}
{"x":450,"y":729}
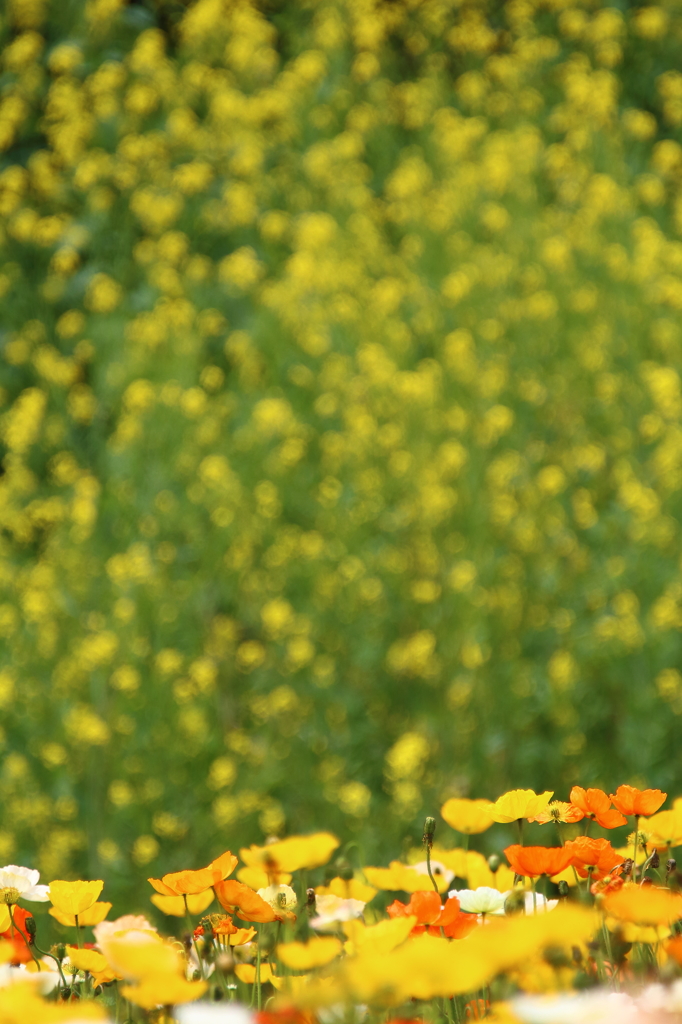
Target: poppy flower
{"x":292,"y":853}
{"x":467,"y":816}
{"x":249,"y":906}
{"x":19,"y":936}
{"x":597,"y":854}
{"x":483,"y":900}
{"x":644,"y":905}
{"x":431,"y":914}
{"x":174,"y":906}
{"x":519,"y":803}
{"x":74,"y":898}
{"x":92,"y":916}
{"x":596,"y":805}
{"x":665,"y":829}
{"x":533,"y":861}
{"x":306,"y":956}
{"x":637,"y":802}
{"x":163,"y":989}
{"x":559,"y":810}
{"x":184,"y":883}
{"x":24,"y":881}
{"x":611,"y":882}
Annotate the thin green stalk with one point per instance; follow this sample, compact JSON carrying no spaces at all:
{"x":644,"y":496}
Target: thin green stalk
{"x":428,"y":868}
{"x":258,"y":982}
{"x":194,"y":941}
{"x":519,"y":825}
{"x":634,"y":858}
{"x":78,"y":931}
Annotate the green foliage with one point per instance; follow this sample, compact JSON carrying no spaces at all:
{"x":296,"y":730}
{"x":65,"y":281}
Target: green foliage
{"x":340,"y":417}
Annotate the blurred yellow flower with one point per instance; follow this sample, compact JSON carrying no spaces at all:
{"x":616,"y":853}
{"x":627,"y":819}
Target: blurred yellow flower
{"x":304,"y":956}
{"x":468,"y":816}
{"x":174,"y":906}
{"x":519,"y":803}
{"x":92,"y":916}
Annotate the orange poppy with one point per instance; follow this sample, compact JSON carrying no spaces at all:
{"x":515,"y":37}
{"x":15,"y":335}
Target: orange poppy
{"x":596,"y":805}
{"x":597,"y":854}
{"x":425,"y":906}
{"x":559,"y":810}
{"x":433,"y":916}
{"x":533,"y":861}
{"x":235,"y":896}
{"x":637,"y":802}
{"x":186,"y":883}
{"x":608,"y":883}
{"x":19,"y":937}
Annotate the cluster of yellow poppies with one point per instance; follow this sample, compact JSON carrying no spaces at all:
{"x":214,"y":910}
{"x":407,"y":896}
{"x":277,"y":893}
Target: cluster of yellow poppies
{"x":279,"y":951}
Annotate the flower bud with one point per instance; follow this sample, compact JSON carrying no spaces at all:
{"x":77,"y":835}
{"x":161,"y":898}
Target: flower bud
{"x":654,"y":860}
{"x":344,"y":869}
{"x":30,"y":926}
{"x":515,"y":902}
{"x":493,"y":862}
{"x":671,"y":865}
{"x":59,"y":950}
{"x":310,"y":897}
{"x":563,"y":889}
{"x":429,"y":829}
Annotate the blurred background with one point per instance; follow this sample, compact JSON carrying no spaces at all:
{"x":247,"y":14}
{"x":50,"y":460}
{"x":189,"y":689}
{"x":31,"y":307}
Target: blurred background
{"x":340,"y":418}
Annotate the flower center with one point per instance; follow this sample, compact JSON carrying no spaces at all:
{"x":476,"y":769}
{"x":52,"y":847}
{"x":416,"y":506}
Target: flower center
{"x":9,"y":895}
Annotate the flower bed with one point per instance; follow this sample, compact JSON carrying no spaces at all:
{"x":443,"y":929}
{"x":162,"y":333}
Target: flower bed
{"x":476,"y":939}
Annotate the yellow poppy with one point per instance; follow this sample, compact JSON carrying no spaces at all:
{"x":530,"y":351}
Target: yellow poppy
{"x":650,"y":905}
{"x":257,"y":878}
{"x":86,"y":959}
{"x":240,"y":937}
{"x":347,"y":890}
{"x":467,"y":816}
{"x":519,"y":803}
{"x":377,"y":939}
{"x":665,"y":828}
{"x":74,"y":897}
{"x":92,"y":916}
{"x":304,"y":956}
{"x":247,"y":973}
{"x":291,"y":854}
{"x":398,"y":877}
{"x":163,"y":990}
{"x":174,"y":906}
{"x":137,"y":954}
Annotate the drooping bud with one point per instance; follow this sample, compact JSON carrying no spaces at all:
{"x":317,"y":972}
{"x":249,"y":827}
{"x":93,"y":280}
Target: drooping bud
{"x":563,"y":889}
{"x":344,"y":869}
{"x":654,"y":860}
{"x":30,"y":926}
{"x":429,"y":830}
{"x":628,"y":865}
{"x":310,"y":897}
{"x":671,"y":865}
{"x":494,"y":862}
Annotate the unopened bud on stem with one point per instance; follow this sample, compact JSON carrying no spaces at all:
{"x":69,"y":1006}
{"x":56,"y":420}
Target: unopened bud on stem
{"x":493,"y":862}
{"x":429,"y":829}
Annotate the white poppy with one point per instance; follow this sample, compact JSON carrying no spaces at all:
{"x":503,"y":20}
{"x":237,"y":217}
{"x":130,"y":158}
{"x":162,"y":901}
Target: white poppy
{"x":333,"y":909}
{"x":483,"y":900}
{"x":599,"y":1007}
{"x":536,"y":903}
{"x":280,"y":897}
{"x":25,"y":881}
{"x":213,"y":1013}
{"x":44,"y":980}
